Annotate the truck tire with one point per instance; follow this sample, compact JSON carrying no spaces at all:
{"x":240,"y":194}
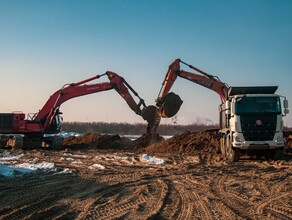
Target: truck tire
{"x":231,"y":154}
{"x":276,"y":154}
{"x":222,"y":147}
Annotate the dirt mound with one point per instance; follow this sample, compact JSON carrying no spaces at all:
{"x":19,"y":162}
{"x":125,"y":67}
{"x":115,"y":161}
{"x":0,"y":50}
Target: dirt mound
{"x":199,"y":142}
{"x":101,"y":141}
{"x":142,"y":141}
{"x":288,"y":141}
{"x":105,"y":141}
{"x":188,"y":143}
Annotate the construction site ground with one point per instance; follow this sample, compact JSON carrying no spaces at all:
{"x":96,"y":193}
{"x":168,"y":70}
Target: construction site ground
{"x":183,"y":177}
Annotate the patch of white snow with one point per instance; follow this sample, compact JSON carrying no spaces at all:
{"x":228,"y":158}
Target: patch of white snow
{"x":97,"y":166}
{"x":7,"y":158}
{"x":153,"y":160}
{"x":75,"y":155}
{"x":37,"y":166}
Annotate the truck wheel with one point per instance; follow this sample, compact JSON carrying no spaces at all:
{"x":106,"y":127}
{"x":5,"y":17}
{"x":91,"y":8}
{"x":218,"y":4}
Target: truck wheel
{"x":222,"y":147}
{"x":231,"y":154}
{"x":276,"y":154}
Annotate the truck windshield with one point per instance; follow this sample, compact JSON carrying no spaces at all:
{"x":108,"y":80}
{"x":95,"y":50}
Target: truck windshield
{"x":257,"y":105}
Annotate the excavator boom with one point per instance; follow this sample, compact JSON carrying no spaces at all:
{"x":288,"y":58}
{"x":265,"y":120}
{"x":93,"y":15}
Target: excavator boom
{"x":169,"y":103}
{"x":50,"y":110}
{"x":47,"y":119}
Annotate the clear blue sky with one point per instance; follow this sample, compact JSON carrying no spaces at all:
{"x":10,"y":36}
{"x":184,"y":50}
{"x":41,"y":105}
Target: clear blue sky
{"x":45,"y":44}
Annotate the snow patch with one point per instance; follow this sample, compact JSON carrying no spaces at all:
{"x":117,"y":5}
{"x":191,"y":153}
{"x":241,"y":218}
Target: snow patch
{"x":65,"y":171}
{"x":9,"y":171}
{"x":77,"y":162}
{"x":69,"y":159}
{"x":121,"y":157}
{"x":24,"y":168}
{"x":7,"y":158}
{"x":153,"y":160}
{"x":37,"y":166}
{"x":75,"y":155}
{"x":97,"y":166}
{"x":10,"y":165}
{"x":98,"y":157}
{"x":64,"y":134}
{"x":69,"y":134}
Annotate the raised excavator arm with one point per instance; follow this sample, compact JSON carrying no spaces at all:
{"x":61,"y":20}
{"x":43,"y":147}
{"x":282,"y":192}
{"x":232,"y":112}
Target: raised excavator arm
{"x":169,"y":103}
{"x":47,"y":115}
{"x":47,"y":120}
{"x":51,"y":109}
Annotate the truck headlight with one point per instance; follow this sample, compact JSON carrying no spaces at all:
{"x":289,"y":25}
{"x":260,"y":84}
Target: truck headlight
{"x":238,"y":139}
{"x":279,"y":138}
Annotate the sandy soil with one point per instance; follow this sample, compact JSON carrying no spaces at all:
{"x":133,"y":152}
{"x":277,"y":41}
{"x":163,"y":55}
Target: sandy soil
{"x":111,"y":180}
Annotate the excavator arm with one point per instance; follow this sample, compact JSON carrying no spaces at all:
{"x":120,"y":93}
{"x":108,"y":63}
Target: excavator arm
{"x":169,"y":103}
{"x":50,"y":110}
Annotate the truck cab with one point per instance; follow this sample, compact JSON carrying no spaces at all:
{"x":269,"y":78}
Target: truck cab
{"x":251,"y":120}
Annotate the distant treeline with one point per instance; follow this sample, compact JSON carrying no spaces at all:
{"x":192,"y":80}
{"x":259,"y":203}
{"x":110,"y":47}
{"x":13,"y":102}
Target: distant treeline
{"x":128,"y":129}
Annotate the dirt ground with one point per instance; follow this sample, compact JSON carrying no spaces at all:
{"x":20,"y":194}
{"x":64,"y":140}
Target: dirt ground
{"x":110,"y":178}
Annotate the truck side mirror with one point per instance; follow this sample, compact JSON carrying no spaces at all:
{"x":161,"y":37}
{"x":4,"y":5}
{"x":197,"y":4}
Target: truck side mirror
{"x":285,"y":103}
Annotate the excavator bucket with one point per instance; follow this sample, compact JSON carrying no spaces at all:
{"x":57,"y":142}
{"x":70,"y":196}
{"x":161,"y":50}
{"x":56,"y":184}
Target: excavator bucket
{"x":150,"y":114}
{"x":170,"y":105}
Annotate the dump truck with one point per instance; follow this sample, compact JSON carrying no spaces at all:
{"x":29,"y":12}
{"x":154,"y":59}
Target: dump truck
{"x":251,"y":117}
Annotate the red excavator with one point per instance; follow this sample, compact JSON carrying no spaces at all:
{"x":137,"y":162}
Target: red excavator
{"x":47,"y":120}
{"x":250,"y":117}
{"x":169,"y":103}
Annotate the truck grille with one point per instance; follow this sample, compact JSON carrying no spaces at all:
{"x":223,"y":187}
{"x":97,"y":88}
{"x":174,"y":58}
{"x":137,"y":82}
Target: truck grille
{"x":258,"y":127}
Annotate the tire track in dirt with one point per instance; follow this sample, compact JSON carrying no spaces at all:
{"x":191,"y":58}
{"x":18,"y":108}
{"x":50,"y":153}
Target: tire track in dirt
{"x":189,"y":209}
{"x":265,"y":208}
{"x":202,"y":200}
{"x":141,"y":199}
{"x":155,"y":197}
{"x":35,"y":197}
{"x":27,"y":210}
{"x":182,"y":188}
{"x":236,"y":205}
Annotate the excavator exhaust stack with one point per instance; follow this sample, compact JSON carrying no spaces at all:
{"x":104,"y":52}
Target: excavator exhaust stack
{"x":171,"y":104}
